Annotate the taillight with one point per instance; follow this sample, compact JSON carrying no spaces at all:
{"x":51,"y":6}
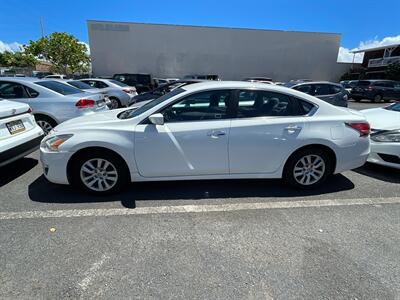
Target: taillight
{"x":370,"y":88}
{"x":363,"y":128}
{"x":85,"y":103}
{"x":129,"y":91}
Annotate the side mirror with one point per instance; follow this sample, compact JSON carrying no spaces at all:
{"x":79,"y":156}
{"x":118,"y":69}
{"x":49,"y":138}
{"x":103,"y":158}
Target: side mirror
{"x":157,"y":119}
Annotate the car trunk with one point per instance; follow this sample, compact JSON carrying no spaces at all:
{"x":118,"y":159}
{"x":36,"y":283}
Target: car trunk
{"x":10,"y":108}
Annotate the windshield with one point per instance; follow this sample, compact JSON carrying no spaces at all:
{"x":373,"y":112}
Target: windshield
{"x":131,"y":113}
{"x":117,"y":82}
{"x":80,"y":85}
{"x":394,"y":107}
{"x":58,"y":87}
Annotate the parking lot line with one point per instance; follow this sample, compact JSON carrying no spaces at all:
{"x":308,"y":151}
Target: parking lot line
{"x":74,"y":213}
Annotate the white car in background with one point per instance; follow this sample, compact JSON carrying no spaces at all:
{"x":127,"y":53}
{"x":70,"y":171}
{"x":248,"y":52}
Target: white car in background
{"x":112,"y":85}
{"x":52,"y":102}
{"x":210,"y":130}
{"x":385,"y":136}
{"x":19,"y":133}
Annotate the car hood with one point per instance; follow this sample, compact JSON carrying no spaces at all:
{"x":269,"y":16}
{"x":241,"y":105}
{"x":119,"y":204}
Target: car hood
{"x":96,"y":120}
{"x":382,"y":119}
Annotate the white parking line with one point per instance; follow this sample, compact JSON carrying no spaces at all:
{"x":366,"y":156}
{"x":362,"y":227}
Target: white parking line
{"x":73,"y":213}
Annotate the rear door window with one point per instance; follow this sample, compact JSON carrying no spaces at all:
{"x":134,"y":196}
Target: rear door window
{"x":322,"y":89}
{"x":12,"y":90}
{"x":58,"y":87}
{"x":305,"y":88}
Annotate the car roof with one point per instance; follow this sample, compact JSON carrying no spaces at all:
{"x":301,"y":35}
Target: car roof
{"x":316,"y":82}
{"x":22,"y":79}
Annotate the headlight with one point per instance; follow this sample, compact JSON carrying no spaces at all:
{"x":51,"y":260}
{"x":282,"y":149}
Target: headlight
{"x":387,"y":137}
{"x":53,"y":143}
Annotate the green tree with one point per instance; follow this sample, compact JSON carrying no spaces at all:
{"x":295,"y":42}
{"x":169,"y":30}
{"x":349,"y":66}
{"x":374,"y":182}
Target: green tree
{"x":63,"y":51}
{"x":17,"y":59}
{"x":393,"y":71}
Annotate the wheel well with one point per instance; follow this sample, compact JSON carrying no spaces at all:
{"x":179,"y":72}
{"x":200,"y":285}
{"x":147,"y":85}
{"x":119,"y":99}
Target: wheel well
{"x":38,"y":115}
{"x":92,"y":150}
{"x":324,"y":148}
{"x":113,"y":97}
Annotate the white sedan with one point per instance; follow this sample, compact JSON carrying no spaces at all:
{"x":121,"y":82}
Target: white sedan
{"x":385,"y":137}
{"x":209,"y":130}
{"x":19,"y":133}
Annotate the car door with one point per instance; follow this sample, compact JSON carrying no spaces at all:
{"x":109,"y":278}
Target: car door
{"x":389,"y":93}
{"x":266,"y":129}
{"x":396,"y":90}
{"x":193,"y":140}
{"x":324,"y":92}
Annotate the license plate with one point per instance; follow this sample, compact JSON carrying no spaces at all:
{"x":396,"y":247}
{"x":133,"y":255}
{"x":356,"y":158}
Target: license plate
{"x":15,"y":126}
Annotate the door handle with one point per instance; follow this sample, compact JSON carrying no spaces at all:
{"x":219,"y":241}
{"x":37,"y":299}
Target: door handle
{"x":216,"y":133}
{"x":292,"y":128}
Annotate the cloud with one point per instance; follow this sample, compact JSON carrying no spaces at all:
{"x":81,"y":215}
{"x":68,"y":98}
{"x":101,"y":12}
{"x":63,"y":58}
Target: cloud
{"x":12,"y":47}
{"x":345,"y":55}
{"x":87,"y":47}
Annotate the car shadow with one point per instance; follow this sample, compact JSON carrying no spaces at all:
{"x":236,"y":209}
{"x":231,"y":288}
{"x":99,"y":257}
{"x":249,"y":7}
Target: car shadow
{"x":43,"y":191}
{"x":16,"y":169}
{"x":379,"y":172}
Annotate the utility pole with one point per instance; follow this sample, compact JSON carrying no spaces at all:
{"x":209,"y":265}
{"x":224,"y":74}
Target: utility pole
{"x":41,"y":26}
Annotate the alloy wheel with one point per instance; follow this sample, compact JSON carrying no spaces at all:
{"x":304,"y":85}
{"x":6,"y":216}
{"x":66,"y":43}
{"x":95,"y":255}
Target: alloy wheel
{"x":113,"y":104}
{"x":46,"y":126}
{"x":98,"y":174}
{"x":309,"y":169}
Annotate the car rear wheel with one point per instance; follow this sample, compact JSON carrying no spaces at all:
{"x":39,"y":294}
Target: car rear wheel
{"x":308,"y":168}
{"x":46,"y":123}
{"x":378,"y":98}
{"x":99,"y":172}
{"x":114,"y":103}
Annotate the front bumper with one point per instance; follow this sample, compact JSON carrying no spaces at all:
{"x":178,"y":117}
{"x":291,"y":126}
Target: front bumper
{"x":55,"y":165}
{"x":386,"y":154}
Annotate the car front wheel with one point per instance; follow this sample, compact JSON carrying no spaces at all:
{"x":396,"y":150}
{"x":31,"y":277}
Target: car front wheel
{"x":99,"y":172}
{"x":308,"y":168}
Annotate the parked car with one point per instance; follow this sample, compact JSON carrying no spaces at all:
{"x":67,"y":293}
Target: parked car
{"x":117,"y":91}
{"x":203,"y":77}
{"x":162,"y":90}
{"x":348,"y":84}
{"x":19,"y":133}
{"x":209,"y":130}
{"x":142,"y":82}
{"x":52,"y":102}
{"x":259,"y":79}
{"x":330,"y":92}
{"x":56,"y":76}
{"x":385,"y":135}
{"x":376,"y":90}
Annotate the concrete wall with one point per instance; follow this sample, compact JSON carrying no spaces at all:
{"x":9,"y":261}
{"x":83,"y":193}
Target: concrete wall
{"x":173,"y":50}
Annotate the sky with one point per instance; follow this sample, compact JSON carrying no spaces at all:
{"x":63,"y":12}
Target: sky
{"x":361,"y":23}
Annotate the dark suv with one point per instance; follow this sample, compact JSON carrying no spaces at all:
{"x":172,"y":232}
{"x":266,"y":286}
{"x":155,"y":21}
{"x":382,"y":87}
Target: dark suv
{"x":142,"y":82}
{"x":376,"y":90}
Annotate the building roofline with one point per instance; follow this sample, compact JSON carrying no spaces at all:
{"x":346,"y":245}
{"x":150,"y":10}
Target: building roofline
{"x":375,"y":48}
{"x":216,"y":27}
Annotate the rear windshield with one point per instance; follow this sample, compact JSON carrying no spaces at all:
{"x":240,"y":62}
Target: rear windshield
{"x":58,"y":87}
{"x":119,"y":83}
{"x":131,"y":113}
{"x":80,"y":85}
{"x":363,"y":83}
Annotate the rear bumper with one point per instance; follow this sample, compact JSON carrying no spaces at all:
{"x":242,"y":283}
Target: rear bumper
{"x":352,"y":156}
{"x":20,"y":151}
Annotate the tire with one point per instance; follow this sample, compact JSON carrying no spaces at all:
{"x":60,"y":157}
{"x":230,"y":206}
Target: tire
{"x":99,"y":172}
{"x":295,"y":165}
{"x":46,"y":123}
{"x":115,"y":103}
{"x":377,"y":98}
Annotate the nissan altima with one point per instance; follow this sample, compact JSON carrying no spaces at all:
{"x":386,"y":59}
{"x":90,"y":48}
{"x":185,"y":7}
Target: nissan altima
{"x":209,"y":130}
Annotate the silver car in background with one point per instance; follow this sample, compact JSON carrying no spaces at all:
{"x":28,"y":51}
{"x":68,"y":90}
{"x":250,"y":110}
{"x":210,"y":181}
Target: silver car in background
{"x":52,"y":102}
{"x":330,"y":92}
{"x":119,"y":93}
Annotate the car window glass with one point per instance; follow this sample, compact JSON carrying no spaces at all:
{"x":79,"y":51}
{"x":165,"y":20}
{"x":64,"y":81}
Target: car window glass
{"x":322,"y":89}
{"x":264,"y":104}
{"x":58,"y":87}
{"x":211,"y":105}
{"x":79,"y":84}
{"x":12,"y":90}
{"x":100,"y":84}
{"x":305,"y":88}
{"x":335,"y":89}
{"x":31,"y":92}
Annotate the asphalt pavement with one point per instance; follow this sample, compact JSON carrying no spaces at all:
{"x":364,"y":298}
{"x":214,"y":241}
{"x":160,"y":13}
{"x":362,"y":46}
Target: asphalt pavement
{"x":224,"y":239}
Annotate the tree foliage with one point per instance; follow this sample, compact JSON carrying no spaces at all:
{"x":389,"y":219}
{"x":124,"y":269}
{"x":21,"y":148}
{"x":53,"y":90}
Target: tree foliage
{"x":66,"y":54}
{"x":17,"y":59}
{"x":393,"y":71}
